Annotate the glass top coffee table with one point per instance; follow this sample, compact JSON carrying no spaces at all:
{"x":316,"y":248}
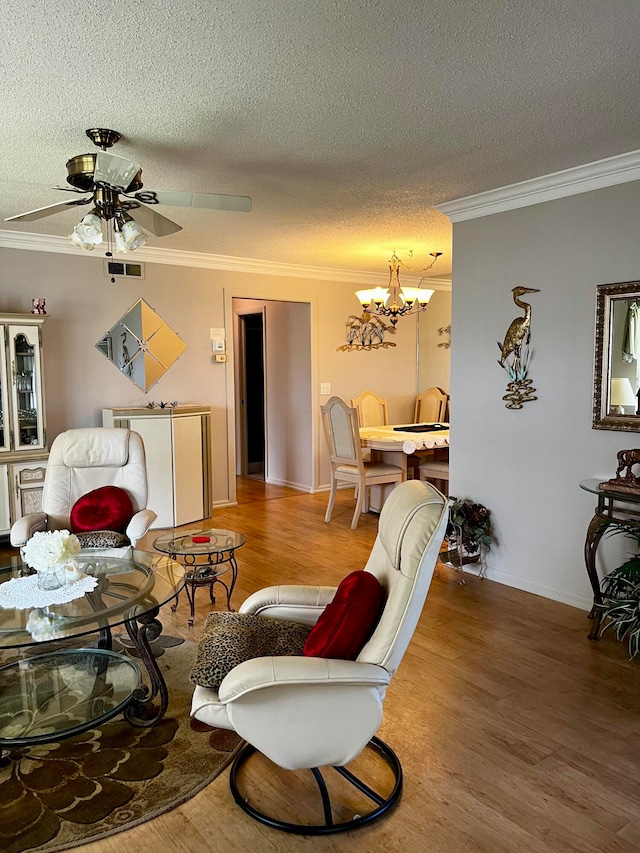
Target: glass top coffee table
{"x":60,"y":694}
{"x":131,"y":589}
{"x":206,"y":554}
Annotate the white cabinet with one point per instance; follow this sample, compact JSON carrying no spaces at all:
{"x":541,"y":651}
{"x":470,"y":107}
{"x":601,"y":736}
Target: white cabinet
{"x":177,"y":445}
{"x":23,"y":454}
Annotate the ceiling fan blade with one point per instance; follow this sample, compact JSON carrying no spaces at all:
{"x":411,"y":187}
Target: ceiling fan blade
{"x":154,"y":221}
{"x":50,"y":209}
{"x":208,"y":201}
{"x":116,"y":172}
{"x":69,"y":190}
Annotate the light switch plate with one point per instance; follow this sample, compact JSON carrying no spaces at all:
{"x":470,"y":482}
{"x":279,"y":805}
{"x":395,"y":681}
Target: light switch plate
{"x":325,"y":387}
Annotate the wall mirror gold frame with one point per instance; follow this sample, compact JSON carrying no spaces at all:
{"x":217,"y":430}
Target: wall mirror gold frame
{"x":141,"y":345}
{"x":616,"y":377}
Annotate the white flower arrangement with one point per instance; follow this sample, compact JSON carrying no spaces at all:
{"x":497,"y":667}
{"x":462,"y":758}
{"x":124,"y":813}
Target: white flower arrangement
{"x":50,"y":550}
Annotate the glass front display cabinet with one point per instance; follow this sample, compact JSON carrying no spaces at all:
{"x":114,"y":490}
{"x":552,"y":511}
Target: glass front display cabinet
{"x":22,"y":414}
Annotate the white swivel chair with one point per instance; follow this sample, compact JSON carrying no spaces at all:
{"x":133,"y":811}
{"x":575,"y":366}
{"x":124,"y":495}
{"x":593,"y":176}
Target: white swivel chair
{"x":311,"y":712}
{"x":340,"y":423}
{"x":80,"y":461}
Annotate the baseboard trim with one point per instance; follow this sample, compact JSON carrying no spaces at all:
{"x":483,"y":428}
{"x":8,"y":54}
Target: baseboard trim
{"x":563,"y":596}
{"x":299,"y":487}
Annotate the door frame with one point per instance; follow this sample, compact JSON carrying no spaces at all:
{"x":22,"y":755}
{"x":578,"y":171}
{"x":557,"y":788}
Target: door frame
{"x":275,"y":292}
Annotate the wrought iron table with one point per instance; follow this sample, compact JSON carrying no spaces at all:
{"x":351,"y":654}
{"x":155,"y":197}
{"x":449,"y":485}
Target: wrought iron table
{"x":206,"y":555}
{"x":131,"y":589}
{"x":614,"y":507}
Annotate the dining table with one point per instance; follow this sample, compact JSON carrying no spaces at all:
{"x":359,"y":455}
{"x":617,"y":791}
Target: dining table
{"x":395,"y":443}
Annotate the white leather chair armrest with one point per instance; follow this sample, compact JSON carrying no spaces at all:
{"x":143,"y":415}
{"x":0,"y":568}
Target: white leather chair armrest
{"x":261,"y":673}
{"x":305,"y":712}
{"x":302,"y":604}
{"x":140,"y":524}
{"x":25,"y":527}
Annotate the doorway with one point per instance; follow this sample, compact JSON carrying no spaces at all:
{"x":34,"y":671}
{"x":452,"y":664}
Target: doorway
{"x":273,"y":399}
{"x":252,"y":399}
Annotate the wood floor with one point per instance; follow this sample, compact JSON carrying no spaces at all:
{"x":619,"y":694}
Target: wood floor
{"x":516,"y":733}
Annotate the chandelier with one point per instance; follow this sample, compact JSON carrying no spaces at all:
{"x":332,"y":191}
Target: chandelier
{"x":397,"y":301}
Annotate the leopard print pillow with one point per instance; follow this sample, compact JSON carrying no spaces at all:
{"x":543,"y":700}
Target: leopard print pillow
{"x":102,"y":539}
{"x":231,"y":638}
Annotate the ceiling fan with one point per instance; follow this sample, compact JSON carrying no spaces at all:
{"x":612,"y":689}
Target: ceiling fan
{"x":114,"y":186}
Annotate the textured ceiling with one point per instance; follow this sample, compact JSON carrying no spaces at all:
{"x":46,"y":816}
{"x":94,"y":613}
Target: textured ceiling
{"x":344,"y":120}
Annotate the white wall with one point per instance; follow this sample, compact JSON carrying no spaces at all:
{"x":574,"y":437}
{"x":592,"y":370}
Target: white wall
{"x":434,"y":361}
{"x":82,"y":304}
{"x":288,"y":394}
{"x":525,"y":465}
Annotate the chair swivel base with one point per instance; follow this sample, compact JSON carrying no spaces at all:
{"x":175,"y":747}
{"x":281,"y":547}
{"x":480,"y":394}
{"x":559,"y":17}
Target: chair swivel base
{"x":382,"y":804}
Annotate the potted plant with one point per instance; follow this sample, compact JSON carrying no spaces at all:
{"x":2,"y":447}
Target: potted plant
{"x":621,"y":593}
{"x":468,"y":532}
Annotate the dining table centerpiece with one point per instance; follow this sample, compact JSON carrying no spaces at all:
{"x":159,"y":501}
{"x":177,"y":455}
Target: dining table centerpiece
{"x":51,"y":554}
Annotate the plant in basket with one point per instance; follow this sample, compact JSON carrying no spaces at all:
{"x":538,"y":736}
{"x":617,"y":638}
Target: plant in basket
{"x":469,"y":525}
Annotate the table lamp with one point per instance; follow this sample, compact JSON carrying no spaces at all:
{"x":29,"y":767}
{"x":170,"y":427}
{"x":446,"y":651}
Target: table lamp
{"x":621,"y":395}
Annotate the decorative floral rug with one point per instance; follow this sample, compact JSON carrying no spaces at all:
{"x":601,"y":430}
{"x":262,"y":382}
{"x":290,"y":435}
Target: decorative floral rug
{"x":59,"y":795}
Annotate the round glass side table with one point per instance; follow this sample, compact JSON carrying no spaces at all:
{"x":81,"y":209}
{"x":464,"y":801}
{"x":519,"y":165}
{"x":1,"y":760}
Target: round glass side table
{"x":206,"y":555}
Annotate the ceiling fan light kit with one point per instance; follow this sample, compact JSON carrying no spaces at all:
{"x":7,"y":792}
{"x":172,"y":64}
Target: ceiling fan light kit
{"x":397,"y":301}
{"x":114,"y":184}
{"x":88,"y":233}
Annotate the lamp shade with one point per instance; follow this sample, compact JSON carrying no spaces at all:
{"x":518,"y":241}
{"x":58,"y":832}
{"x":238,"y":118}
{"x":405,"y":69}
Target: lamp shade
{"x":622,"y":393}
{"x":417,"y":294}
{"x":88,"y":233}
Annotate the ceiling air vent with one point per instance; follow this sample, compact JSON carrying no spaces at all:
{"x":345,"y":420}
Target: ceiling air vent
{"x":120,"y":269}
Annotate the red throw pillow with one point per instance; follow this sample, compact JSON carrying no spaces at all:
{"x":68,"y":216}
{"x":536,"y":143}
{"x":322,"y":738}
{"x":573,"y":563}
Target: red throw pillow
{"x":106,"y":508}
{"x":348,"y":621}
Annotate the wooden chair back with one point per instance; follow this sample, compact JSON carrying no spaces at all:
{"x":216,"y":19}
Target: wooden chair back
{"x":371,"y":409}
{"x":431,"y":406}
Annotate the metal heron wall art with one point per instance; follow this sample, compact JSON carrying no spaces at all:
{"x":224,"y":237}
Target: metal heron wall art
{"x":515,"y":354}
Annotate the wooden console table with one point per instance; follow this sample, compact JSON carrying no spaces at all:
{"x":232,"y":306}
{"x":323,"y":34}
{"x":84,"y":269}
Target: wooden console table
{"x":613,"y":508}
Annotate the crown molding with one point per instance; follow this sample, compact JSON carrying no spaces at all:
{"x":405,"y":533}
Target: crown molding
{"x":579,"y":179}
{"x":152,"y":254}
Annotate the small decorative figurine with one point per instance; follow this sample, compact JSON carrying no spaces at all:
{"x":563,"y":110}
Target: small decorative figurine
{"x":39,"y":306}
{"x":625,"y":480}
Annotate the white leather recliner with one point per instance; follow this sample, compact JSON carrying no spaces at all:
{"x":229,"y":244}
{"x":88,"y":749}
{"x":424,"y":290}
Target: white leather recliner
{"x":308,"y":712}
{"x":80,"y":461}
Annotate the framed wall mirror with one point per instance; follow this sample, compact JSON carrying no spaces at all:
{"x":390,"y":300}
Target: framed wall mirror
{"x":141,"y":345}
{"x":616,"y":377}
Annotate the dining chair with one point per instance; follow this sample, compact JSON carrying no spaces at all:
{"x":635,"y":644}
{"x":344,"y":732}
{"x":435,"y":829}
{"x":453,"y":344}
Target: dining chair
{"x":371,"y":409}
{"x":431,"y":406}
{"x":340,"y":422}
{"x":436,"y":472}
